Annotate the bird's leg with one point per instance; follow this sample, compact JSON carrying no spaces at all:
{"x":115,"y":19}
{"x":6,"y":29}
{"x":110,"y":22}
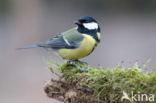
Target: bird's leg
{"x":81,"y":62}
{"x":78,"y":64}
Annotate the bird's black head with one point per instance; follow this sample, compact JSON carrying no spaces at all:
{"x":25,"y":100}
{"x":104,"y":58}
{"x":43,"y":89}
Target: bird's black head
{"x":88,"y":25}
{"x":85,"y":19}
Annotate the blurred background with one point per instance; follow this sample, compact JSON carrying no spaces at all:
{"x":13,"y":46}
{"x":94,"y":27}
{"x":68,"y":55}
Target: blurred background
{"x":128,"y":35}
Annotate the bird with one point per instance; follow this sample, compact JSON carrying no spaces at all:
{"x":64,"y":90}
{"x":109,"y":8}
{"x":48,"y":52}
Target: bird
{"x":75,"y":43}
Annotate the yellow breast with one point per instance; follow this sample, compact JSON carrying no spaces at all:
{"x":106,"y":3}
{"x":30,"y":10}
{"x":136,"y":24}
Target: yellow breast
{"x":85,"y":48}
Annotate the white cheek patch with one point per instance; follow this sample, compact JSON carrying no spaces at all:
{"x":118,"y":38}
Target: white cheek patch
{"x":91,"y":25}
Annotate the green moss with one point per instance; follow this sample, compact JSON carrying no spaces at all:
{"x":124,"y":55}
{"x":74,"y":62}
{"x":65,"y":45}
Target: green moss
{"x":109,"y":84}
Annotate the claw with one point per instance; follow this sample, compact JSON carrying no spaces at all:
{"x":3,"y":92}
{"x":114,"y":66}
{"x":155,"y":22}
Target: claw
{"x":79,"y":61}
{"x":82,"y":69}
{"x":75,"y":62}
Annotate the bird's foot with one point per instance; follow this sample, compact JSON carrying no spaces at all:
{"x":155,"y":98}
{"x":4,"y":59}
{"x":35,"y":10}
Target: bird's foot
{"x":81,"y":62}
{"x":82,"y":66}
{"x":77,"y":62}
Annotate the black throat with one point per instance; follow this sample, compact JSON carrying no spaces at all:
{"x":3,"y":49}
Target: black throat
{"x":92,"y":32}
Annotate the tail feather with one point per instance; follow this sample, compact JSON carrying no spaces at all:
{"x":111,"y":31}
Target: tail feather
{"x":28,"y":47}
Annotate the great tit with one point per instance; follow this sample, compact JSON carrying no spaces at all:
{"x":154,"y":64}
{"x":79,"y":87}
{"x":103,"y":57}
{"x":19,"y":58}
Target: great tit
{"x":75,"y":43}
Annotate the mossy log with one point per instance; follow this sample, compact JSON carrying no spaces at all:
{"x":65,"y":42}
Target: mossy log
{"x":97,"y":85}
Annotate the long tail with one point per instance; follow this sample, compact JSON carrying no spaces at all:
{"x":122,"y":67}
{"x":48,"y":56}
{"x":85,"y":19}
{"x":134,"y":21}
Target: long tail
{"x":28,"y":47}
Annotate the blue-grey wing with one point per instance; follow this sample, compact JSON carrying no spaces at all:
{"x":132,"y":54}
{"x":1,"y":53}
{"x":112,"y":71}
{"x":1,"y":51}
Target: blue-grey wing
{"x":69,"y":39}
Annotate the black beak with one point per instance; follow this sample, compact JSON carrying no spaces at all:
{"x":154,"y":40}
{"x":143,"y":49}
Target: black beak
{"x":77,"y":23}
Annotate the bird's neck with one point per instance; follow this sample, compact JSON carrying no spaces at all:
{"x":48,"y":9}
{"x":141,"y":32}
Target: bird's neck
{"x":92,"y":32}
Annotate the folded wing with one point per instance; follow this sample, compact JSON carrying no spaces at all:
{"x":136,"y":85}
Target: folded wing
{"x":69,"y":39}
